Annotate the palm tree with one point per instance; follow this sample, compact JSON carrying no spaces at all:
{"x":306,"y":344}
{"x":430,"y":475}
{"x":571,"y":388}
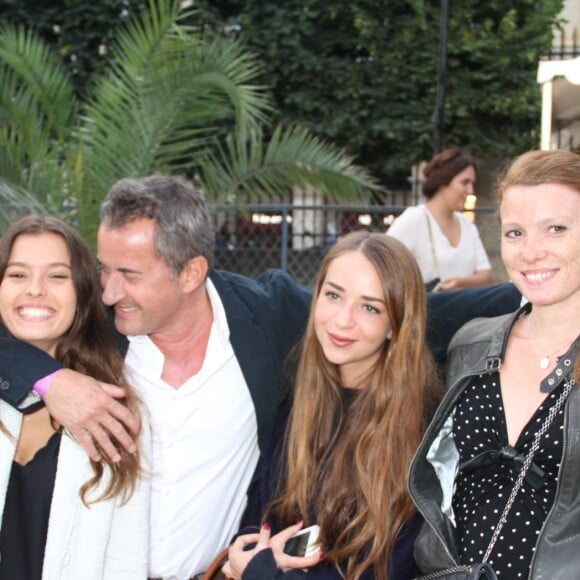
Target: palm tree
{"x":172,"y":100}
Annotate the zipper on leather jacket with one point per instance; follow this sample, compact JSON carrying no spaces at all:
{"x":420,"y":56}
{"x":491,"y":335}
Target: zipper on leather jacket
{"x":440,"y":538}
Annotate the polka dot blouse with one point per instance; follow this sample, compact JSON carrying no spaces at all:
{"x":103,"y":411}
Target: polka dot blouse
{"x":481,"y":493}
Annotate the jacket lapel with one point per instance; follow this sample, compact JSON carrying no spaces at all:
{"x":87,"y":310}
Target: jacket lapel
{"x":254,"y":355}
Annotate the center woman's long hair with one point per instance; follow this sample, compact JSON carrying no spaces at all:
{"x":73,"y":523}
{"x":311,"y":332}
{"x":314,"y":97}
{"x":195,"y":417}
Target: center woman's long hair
{"x":88,"y":346}
{"x":355,"y":478}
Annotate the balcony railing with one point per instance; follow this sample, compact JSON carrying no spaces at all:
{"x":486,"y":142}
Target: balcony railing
{"x":565,"y":47}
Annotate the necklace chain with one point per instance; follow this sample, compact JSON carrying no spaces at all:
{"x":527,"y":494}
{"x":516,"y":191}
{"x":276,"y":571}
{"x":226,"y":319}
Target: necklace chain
{"x":545,"y":359}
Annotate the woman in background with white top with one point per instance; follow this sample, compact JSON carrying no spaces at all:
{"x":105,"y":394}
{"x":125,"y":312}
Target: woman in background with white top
{"x":444,"y":242}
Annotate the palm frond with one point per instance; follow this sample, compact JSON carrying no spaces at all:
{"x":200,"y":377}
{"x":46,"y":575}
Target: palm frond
{"x":137,"y":43}
{"x":227,"y":68}
{"x":158,"y":47}
{"x":293,"y":157}
{"x":173,"y":100}
{"x":37,"y":112}
{"x":43,"y":79}
{"x":165,"y":116}
{"x":16,"y":201}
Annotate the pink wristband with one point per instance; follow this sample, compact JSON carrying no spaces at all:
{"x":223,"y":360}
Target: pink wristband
{"x":42,"y":385}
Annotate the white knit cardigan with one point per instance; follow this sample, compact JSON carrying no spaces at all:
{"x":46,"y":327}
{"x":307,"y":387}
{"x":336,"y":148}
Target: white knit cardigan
{"x":105,"y":541}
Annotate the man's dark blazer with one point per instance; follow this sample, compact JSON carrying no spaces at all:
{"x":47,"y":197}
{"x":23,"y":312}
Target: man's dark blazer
{"x":267,"y":317}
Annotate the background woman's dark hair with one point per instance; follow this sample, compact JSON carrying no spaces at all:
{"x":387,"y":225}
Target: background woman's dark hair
{"x":441,"y":170}
{"x":88,"y":346}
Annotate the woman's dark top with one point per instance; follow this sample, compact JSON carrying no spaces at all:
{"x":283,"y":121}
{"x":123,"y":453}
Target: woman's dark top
{"x":479,"y":426}
{"x":26,"y":513}
{"x":263,"y":566}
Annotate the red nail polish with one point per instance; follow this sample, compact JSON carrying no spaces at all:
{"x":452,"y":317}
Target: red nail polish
{"x":266,"y":525}
{"x":321,"y":555}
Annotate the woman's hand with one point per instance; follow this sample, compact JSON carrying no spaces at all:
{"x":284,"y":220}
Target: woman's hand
{"x":285,"y":561}
{"x":246,"y":547}
{"x":449,"y":284}
{"x":478,"y":278}
{"x":241,"y":552}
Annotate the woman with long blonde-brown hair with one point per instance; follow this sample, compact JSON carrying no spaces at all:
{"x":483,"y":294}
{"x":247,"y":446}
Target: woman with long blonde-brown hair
{"x":363,"y":386}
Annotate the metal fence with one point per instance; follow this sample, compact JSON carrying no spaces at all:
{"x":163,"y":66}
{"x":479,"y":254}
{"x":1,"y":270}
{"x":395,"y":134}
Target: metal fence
{"x":294,"y":238}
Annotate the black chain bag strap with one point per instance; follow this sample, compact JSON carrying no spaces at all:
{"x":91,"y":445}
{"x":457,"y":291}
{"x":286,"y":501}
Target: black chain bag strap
{"x":483,"y":571}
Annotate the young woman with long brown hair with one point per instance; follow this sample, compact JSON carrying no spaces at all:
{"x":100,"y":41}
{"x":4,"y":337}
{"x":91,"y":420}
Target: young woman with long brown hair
{"x":63,"y":515}
{"x":364,"y":383}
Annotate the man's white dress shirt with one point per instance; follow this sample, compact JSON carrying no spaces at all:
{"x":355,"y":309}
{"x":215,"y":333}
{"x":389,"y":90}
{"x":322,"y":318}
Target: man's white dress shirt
{"x":204,"y":451}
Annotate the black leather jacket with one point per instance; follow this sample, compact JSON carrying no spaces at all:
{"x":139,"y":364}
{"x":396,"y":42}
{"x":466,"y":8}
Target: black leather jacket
{"x":479,"y":348}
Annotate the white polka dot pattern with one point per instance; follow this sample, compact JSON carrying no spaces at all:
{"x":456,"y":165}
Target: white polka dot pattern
{"x":480,"y":496}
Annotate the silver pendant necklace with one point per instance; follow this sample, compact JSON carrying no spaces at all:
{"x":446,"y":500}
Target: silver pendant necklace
{"x":544,"y":360}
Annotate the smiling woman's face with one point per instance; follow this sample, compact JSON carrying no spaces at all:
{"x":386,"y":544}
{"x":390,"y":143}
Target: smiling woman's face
{"x":37,"y":294}
{"x":540,"y":241}
{"x":350,"y":317}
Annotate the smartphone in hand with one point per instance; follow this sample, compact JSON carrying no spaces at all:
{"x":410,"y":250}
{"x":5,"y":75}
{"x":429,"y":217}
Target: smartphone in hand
{"x":303,"y":543}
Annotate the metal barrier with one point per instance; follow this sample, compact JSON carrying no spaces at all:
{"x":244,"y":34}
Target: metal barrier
{"x":294,"y":238}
